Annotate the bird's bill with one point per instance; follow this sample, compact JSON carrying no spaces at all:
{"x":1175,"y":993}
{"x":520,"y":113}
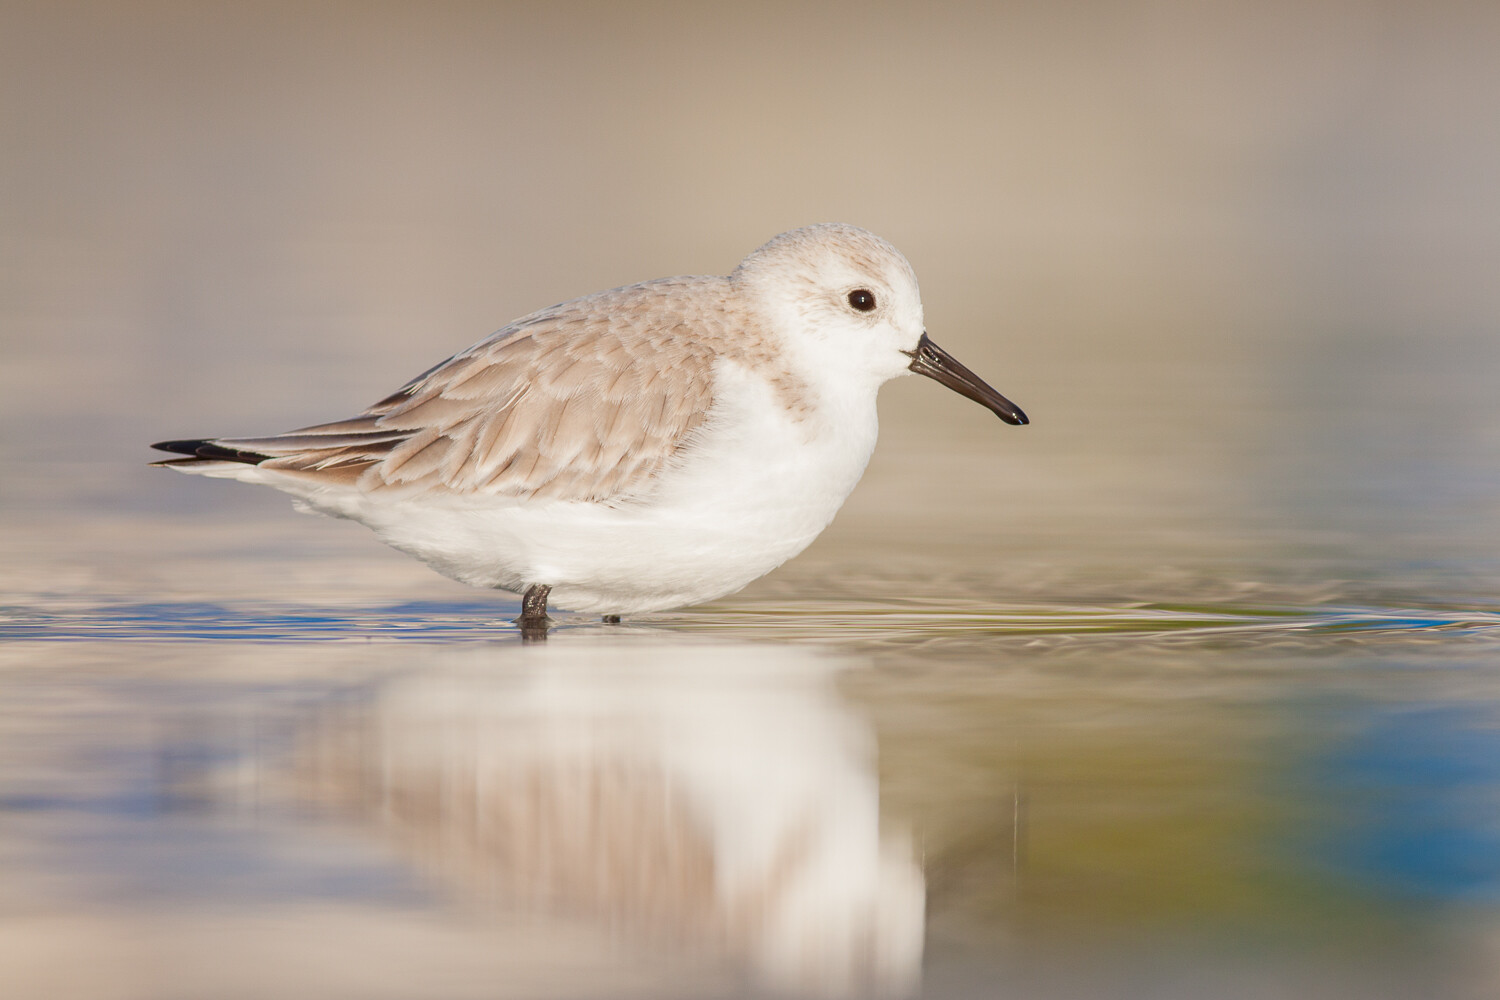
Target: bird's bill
{"x":931,"y":360}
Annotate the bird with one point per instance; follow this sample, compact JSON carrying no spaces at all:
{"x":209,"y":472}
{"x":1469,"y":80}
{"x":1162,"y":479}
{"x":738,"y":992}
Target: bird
{"x":640,"y":449}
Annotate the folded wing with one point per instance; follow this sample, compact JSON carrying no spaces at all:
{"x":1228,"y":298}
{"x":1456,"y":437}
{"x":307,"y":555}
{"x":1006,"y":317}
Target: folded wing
{"x":585,"y":402}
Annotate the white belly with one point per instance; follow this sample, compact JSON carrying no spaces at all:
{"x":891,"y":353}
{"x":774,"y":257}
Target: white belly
{"x":754,"y":490}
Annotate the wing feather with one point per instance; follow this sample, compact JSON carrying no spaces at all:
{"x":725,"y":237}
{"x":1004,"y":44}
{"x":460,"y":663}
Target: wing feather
{"x":586,"y":401}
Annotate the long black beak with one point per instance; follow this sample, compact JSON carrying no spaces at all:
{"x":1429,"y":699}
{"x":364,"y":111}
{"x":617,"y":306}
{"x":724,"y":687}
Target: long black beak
{"x":931,"y":360}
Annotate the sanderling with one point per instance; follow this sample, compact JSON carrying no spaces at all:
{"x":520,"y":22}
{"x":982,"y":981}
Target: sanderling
{"x":639,"y":449}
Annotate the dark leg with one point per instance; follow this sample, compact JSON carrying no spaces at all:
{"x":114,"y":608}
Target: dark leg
{"x":534,"y":604}
{"x":534,"y":620}
{"x":611,"y":619}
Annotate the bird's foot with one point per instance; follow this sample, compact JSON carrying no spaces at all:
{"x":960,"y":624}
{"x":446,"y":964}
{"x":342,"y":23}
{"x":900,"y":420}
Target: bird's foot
{"x":534,"y":621}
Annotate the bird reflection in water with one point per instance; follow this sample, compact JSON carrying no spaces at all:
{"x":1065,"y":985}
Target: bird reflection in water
{"x":712,"y":798}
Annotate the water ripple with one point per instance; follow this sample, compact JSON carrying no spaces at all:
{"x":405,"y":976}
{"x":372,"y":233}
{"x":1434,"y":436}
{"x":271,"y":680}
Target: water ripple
{"x":448,"y":622}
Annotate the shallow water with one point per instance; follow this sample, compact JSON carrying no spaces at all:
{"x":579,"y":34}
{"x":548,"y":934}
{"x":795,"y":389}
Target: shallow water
{"x":1252,"y":760}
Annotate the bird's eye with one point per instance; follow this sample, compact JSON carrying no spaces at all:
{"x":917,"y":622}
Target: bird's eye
{"x":862,"y":299}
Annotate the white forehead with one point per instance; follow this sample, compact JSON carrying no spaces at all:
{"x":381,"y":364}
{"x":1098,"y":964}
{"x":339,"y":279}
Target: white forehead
{"x":829,"y":256}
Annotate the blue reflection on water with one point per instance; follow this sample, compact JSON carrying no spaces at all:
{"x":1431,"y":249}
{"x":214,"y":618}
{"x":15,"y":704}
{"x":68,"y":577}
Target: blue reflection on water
{"x":1417,"y":793}
{"x":201,"y":620}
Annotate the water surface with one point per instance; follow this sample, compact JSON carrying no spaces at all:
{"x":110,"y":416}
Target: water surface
{"x":939,"y":774}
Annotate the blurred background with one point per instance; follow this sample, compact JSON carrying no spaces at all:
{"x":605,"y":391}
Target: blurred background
{"x":1238,"y":261}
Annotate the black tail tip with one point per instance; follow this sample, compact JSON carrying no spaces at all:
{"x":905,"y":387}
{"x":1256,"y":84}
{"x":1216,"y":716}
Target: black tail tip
{"x":210,"y":450}
{"x":182,"y":447}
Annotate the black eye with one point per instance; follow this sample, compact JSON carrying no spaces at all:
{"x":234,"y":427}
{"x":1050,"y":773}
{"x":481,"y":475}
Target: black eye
{"x":862,"y":299}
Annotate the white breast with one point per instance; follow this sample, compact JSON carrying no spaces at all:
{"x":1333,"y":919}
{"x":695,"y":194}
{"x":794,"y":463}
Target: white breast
{"x":753,"y":489}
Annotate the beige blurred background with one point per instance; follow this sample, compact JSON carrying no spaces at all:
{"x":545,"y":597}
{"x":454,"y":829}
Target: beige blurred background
{"x":1238,"y":261}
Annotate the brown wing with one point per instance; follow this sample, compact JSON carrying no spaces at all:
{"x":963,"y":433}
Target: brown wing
{"x":585,"y":401}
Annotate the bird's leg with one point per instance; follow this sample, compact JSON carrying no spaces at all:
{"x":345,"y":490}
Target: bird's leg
{"x":534,"y":605}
